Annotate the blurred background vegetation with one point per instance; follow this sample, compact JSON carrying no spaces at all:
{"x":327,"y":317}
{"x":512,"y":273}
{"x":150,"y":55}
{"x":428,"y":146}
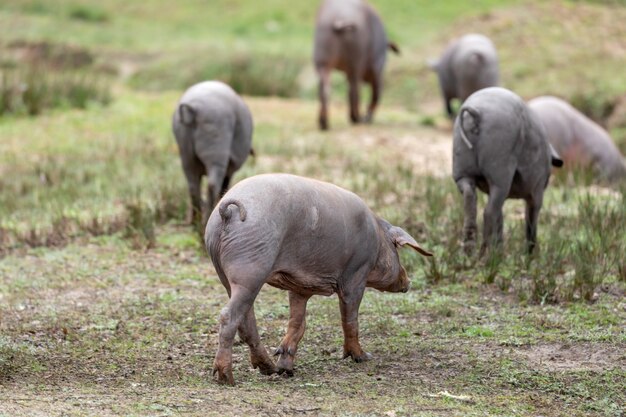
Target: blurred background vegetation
{"x":111,"y":163}
{"x":573,"y":49}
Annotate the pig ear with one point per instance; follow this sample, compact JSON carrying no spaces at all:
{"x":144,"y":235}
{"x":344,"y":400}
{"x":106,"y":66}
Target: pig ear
{"x":556,"y":158}
{"x":401,"y":238}
{"x":394,"y":47}
{"x":187,"y":114}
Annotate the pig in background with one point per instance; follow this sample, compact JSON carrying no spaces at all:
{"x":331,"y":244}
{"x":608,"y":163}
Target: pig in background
{"x":350,"y":37}
{"x":579,"y":141}
{"x":304,"y":236}
{"x":213,"y":129}
{"x":467,"y":65}
{"x":500,"y":146}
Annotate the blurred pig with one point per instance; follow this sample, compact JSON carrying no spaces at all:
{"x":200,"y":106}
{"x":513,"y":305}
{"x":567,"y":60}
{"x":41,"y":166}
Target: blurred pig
{"x":213,"y":129}
{"x":350,"y":37}
{"x":468,"y":64}
{"x":500,"y":146}
{"x":579,"y":141}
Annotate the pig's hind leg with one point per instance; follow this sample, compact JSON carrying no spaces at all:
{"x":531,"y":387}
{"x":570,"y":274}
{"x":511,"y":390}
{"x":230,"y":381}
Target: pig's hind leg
{"x":375,"y":80}
{"x":353,"y":97}
{"x":533,"y":205}
{"x":231,"y":317}
{"x":295,"y":330}
{"x":258,"y":355}
{"x":492,"y":216}
{"x":194,"y":170}
{"x":468,"y":189}
{"x":324,"y":97}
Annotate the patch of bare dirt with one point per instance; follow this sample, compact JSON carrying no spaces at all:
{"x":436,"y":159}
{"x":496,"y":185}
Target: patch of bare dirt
{"x":396,"y":133}
{"x":428,"y":150}
{"x":574,"y":357}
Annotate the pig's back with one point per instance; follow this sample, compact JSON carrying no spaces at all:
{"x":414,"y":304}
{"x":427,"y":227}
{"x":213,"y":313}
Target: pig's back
{"x":295,"y":222}
{"x":579,"y":140}
{"x":556,"y":120}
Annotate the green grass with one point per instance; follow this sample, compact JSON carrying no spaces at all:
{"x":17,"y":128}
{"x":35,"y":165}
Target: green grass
{"x":135,"y":325}
{"x":109,"y":305}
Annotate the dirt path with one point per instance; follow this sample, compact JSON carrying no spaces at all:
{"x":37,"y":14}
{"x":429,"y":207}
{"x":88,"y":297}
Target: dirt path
{"x":396,"y":132}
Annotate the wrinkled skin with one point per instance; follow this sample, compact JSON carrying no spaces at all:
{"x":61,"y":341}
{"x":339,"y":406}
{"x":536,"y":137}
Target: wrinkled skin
{"x":213,"y":129}
{"x":304,"y":236}
{"x":578,"y":140}
{"x":350,"y":37}
{"x":509,"y":158}
{"x":467,"y":65}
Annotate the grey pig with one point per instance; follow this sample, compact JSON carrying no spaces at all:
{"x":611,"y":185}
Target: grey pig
{"x":304,"y":236}
{"x":468,"y":64}
{"x":350,"y":37}
{"x":213,"y":129}
{"x":500,"y":146}
{"x":579,"y":141}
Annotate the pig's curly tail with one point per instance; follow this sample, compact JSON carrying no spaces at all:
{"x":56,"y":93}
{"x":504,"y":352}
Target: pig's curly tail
{"x":475,"y":130}
{"x":226,"y":212}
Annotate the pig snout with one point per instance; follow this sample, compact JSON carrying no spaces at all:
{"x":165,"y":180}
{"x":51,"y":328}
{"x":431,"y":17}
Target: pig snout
{"x":403,"y":282}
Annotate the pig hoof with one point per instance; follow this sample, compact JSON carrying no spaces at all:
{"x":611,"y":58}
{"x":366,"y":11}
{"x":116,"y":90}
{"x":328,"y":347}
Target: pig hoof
{"x":281,"y":350}
{"x":358,"y":358}
{"x":224,"y":376}
{"x":366,"y":356}
{"x":285,"y":370}
{"x":285,"y":365}
{"x":265,"y":368}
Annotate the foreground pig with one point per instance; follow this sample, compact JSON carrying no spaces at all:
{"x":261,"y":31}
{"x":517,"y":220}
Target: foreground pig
{"x":213,"y":129}
{"x":467,"y":65}
{"x":578,"y":140}
{"x":304,"y":236}
{"x":500,"y":146}
{"x":350,"y":37}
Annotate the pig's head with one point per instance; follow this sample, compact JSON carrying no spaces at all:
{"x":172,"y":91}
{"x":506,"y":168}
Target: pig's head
{"x":388,"y":274}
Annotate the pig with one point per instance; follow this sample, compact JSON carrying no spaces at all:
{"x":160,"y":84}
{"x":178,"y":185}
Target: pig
{"x":580,"y":142}
{"x":500,"y":146}
{"x":213,"y":130}
{"x":304,"y":236}
{"x":468,"y":64}
{"x":350,"y":37}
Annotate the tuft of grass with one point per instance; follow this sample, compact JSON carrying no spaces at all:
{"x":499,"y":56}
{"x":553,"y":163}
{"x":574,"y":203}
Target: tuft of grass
{"x":478,"y":331}
{"x":597,"y":104}
{"x":140,"y":227}
{"x":30,"y":91}
{"x":88,"y":13}
{"x":249,"y":72}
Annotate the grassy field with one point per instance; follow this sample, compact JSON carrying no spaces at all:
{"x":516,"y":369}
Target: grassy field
{"x":109,"y":305}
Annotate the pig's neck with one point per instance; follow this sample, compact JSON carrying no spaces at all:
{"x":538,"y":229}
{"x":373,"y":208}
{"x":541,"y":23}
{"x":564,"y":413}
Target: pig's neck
{"x":386,"y":269}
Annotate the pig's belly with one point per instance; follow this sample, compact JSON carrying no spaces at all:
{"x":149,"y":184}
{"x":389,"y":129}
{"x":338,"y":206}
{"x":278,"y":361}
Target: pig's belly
{"x":305,"y":284}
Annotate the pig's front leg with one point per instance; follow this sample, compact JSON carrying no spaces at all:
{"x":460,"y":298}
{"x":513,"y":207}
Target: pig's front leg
{"x":349,"y":302}
{"x":295,"y":330}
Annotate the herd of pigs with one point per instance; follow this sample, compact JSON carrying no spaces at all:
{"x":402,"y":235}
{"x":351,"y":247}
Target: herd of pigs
{"x":310,"y":237}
